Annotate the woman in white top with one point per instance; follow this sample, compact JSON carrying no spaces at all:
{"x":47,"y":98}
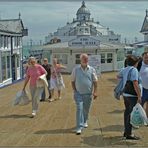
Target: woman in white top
{"x":56,"y":81}
{"x":144,"y":77}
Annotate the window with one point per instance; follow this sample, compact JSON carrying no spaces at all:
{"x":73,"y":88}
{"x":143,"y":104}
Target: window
{"x":86,"y":30}
{"x":120,"y":55}
{"x":15,"y":41}
{"x":20,"y":41}
{"x":64,"y":59}
{"x":6,"y":66}
{"x":8,"y":41}
{"x":1,"y":41}
{"x":77,"y":58}
{"x":5,"y":41}
{"x":18,"y":61}
{"x":109,"y":57}
{"x":56,"y":56}
{"x":103,"y":58}
{"x":81,"y":30}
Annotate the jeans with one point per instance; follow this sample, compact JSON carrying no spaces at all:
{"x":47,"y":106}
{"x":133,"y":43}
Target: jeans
{"x":83,"y":103}
{"x":129,"y":103}
{"x":36,"y":96}
{"x":144,"y":96}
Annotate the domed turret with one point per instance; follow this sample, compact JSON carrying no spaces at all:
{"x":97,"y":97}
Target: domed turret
{"x":83,"y":9}
{"x":83,"y":13}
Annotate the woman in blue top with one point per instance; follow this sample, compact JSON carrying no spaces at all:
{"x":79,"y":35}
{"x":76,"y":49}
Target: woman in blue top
{"x":131,"y":95}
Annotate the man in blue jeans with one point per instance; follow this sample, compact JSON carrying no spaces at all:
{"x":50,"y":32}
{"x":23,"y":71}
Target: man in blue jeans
{"x":84,"y":84}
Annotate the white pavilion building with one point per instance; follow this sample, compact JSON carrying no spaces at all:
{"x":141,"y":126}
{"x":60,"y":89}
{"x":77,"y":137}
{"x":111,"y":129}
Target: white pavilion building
{"x":12,"y":32}
{"x":84,"y":35}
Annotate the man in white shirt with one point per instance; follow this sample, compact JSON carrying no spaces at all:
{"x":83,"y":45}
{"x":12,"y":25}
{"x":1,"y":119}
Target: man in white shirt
{"x":84,"y":84}
{"x":144,"y":77}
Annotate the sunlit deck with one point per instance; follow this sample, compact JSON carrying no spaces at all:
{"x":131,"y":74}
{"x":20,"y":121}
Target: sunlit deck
{"x":55,"y":122}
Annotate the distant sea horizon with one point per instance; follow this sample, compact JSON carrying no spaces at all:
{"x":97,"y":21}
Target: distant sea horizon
{"x":26,"y":49}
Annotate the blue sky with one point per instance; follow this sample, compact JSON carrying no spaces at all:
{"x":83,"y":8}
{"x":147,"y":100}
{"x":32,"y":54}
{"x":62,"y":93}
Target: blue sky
{"x":124,"y":17}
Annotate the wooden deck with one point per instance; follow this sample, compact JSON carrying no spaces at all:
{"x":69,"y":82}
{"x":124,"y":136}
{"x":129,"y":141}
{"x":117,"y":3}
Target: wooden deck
{"x":55,"y":122}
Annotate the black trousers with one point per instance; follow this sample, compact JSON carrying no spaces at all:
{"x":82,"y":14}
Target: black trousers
{"x":129,"y":103}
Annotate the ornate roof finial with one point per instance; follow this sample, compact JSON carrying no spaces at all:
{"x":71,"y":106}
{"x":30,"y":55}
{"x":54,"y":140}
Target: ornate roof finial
{"x":19,"y":15}
{"x":83,"y":4}
{"x":146,"y":12}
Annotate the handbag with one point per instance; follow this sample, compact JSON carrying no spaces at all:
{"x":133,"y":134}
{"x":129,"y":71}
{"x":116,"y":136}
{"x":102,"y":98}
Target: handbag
{"x":129,"y":87}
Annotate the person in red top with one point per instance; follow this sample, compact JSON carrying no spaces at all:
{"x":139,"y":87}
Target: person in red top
{"x":33,"y":73}
{"x":56,"y":81}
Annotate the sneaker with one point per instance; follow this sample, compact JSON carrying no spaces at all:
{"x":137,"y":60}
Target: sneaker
{"x":85,"y":125}
{"x":51,"y":100}
{"x":59,"y":98}
{"x":134,"y":126}
{"x":42,"y":100}
{"x":78,"y":132}
{"x":131,"y":137}
{"x":33,"y":115}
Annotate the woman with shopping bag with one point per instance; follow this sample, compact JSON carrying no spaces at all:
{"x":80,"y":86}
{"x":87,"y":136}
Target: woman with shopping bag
{"x":138,"y":116}
{"x":33,"y":74}
{"x":131,"y":93}
{"x":21,"y":98}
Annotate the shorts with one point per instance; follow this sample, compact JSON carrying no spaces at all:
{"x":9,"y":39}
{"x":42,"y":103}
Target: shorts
{"x":55,"y":85}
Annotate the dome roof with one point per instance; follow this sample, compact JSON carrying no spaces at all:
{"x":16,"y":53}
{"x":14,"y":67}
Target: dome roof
{"x":83,"y":9}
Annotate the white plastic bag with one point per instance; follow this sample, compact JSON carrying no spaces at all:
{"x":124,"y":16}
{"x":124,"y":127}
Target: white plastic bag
{"x":60,"y":81}
{"x":21,"y":98}
{"x":138,"y":116}
{"x":42,"y":81}
{"x":17,"y":98}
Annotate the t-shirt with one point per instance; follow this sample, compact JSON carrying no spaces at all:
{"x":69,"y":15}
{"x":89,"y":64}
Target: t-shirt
{"x":134,"y":75}
{"x":47,"y":67}
{"x":84,"y":79}
{"x":56,"y":71}
{"x":144,"y":75}
{"x":34,"y":72}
